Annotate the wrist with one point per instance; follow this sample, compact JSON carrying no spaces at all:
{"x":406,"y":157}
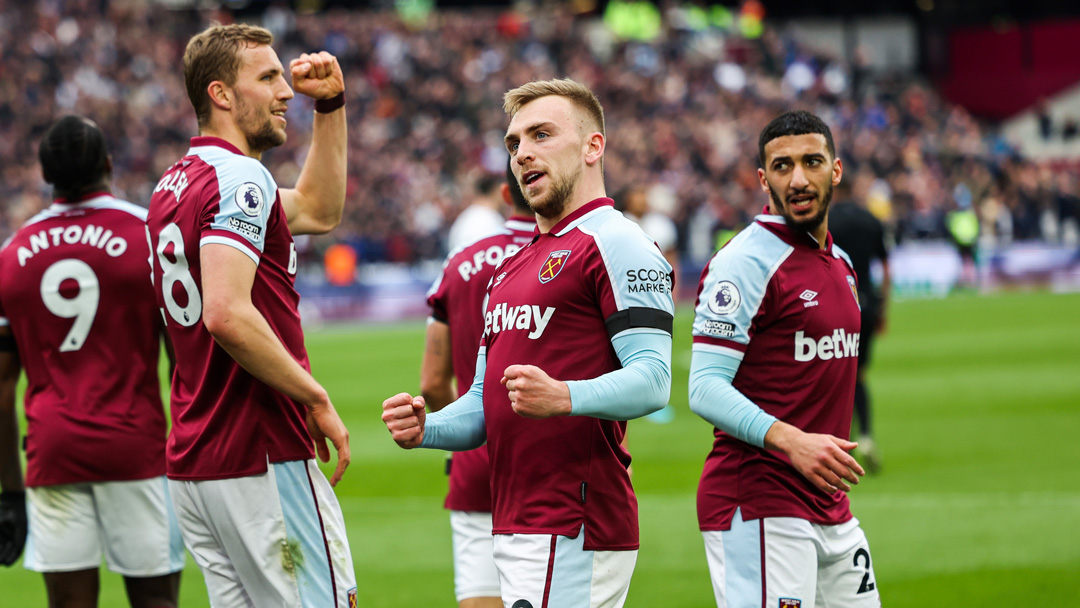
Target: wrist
{"x":325,"y":106}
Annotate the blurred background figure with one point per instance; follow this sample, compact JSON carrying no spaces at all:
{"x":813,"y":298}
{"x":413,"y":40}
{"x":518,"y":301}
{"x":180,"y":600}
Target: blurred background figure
{"x":862,"y":236}
{"x":483,"y":217}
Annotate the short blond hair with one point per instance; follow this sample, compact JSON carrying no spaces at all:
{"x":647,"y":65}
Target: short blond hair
{"x":214,"y":54}
{"x":577,"y":93}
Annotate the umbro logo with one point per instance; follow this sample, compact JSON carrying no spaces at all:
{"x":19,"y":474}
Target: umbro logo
{"x":809,"y":296}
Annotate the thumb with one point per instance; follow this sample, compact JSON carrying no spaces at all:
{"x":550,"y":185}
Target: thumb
{"x":418,"y":404}
{"x":513,"y":371}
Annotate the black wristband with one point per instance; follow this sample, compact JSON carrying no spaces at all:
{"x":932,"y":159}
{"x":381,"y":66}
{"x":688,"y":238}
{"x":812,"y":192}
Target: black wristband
{"x":325,"y":106}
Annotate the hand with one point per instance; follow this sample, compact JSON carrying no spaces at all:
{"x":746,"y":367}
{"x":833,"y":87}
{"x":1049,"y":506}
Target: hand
{"x":822,"y":459}
{"x":534,"y":394}
{"x":323,"y":422}
{"x":404,"y":417}
{"x":12,"y":526}
{"x":317,"y":75}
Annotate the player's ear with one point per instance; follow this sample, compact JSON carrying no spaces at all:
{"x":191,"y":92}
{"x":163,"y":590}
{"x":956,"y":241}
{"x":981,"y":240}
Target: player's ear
{"x":764,"y":182}
{"x":220,"y":95}
{"x":594,"y":147}
{"x":504,"y":190}
{"x":837,"y":171}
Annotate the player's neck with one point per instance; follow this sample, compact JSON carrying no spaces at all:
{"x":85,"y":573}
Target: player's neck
{"x":584,"y":194}
{"x":228,"y":131}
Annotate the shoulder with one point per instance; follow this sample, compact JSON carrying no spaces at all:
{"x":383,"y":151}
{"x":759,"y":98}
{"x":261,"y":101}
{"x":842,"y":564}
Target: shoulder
{"x":612,"y":230}
{"x":755,"y":251}
{"x":838,"y":252}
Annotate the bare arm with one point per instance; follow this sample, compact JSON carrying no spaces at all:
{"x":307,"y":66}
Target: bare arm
{"x":316,"y":204}
{"x":11,"y":478}
{"x":437,"y":367}
{"x":239,"y":327}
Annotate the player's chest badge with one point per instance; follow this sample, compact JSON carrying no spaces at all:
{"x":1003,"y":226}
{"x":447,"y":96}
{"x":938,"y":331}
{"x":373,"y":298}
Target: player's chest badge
{"x":553,"y":265}
{"x":854,"y":291}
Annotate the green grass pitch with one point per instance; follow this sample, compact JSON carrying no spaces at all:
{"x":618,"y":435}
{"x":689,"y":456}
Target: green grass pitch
{"x":977,"y":403}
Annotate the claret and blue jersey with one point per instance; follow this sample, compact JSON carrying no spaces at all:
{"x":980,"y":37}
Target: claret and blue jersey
{"x":216,"y":195}
{"x":787,"y":313}
{"x":558,"y":303}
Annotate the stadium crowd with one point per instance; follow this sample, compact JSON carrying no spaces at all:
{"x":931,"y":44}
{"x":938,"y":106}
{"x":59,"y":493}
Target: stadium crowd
{"x":426,"y":97}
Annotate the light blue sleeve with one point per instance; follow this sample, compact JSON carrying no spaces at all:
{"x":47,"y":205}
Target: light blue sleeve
{"x":247,"y":195}
{"x":460,"y":425}
{"x":714,"y":398}
{"x":641,"y":387}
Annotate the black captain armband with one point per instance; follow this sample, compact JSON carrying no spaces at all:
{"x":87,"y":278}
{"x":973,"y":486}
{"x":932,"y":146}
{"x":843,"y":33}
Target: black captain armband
{"x":325,"y":106}
{"x":7,"y":344}
{"x":639,"y":316}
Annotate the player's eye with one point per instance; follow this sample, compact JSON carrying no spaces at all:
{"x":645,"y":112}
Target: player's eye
{"x":541,"y":135}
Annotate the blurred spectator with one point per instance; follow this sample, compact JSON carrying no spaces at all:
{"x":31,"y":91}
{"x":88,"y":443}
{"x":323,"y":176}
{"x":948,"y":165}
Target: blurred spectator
{"x":688,"y":99}
{"x":483,"y":217}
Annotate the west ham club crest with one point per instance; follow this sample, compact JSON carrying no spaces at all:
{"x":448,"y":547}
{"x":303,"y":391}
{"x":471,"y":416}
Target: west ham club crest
{"x":553,"y":265}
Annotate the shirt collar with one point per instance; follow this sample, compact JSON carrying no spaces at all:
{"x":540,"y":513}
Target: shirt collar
{"x":777,"y":225}
{"x":207,"y":140}
{"x":91,"y":195}
{"x":561,"y":228}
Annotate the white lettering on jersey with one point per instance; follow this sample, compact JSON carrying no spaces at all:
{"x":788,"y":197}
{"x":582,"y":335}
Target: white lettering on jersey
{"x":292,"y":258}
{"x":838,"y":345}
{"x":488,"y":257}
{"x":502,"y":318}
{"x":173,"y":182}
{"x":94,"y":236}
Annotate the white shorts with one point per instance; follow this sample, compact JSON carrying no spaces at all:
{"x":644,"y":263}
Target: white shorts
{"x":551,"y":571}
{"x":475,"y":574}
{"x":275,"y":539}
{"x":805,"y":565}
{"x":131,"y":522}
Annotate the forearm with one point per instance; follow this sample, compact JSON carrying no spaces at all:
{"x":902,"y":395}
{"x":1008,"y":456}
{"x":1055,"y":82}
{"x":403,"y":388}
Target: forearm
{"x":714,"y":398}
{"x":460,"y":426}
{"x":248,"y":338}
{"x":436,"y":367}
{"x":641,"y":387}
{"x":321,"y":186}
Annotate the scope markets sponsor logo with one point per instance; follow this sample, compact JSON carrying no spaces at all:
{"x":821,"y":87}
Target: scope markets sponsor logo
{"x":648,"y":279}
{"x":526,"y":317}
{"x":838,"y":345}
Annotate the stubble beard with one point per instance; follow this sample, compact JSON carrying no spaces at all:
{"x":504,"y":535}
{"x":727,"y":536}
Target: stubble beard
{"x":260,"y":136}
{"x":809,"y":224}
{"x":562,"y":190}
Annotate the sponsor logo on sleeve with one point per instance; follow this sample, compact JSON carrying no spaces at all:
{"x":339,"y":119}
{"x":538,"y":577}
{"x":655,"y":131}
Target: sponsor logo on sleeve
{"x":725,"y":299}
{"x":719,"y":329}
{"x":249,"y":197}
{"x":648,"y":279}
{"x":352,"y":598}
{"x":247,"y":229}
{"x":788,"y":602}
{"x":553,"y":265}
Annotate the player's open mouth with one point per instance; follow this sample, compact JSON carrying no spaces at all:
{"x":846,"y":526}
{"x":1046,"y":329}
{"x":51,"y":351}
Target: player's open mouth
{"x":801,"y":201}
{"x":280,"y":114}
{"x":531,"y":177}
